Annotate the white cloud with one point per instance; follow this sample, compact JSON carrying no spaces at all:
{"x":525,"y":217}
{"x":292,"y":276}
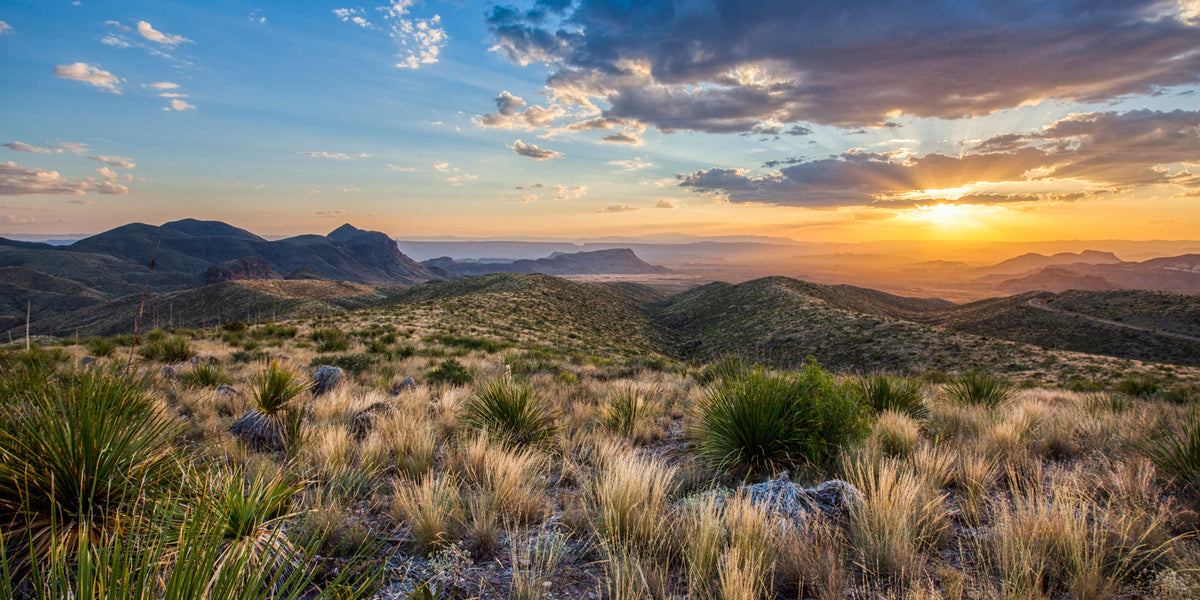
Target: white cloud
{"x":166,"y":39}
{"x":349,"y":190}
{"x":666,"y":204}
{"x":532,"y":151}
{"x":181,"y":105}
{"x":90,"y":74}
{"x":5,"y":28}
{"x":562,"y":192}
{"x":16,"y":180}
{"x":52,"y":149}
{"x":619,"y":208}
{"x":335,"y":155}
{"x":108,"y":174}
{"x":444,"y":167}
{"x":115,"y":161}
{"x":352,"y":15}
{"x":420,"y":41}
{"x":528,"y":197}
{"x":172,"y":95}
{"x":631,"y":165}
{"x":15,"y":220}
{"x":401,"y":169}
{"x":163,"y":85}
{"x":623,"y":137}
{"x":462,"y":178}
{"x":118,"y":25}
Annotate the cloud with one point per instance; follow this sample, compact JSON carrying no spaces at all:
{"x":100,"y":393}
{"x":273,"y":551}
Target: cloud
{"x":562,"y":192}
{"x":15,"y":220}
{"x":172,"y":95}
{"x":1086,"y":153}
{"x":334,"y":155}
{"x":631,"y":164}
{"x":329,"y":213}
{"x":5,"y":28}
{"x":420,"y":41}
{"x":729,"y":67}
{"x":528,"y":197}
{"x":532,"y":151}
{"x":401,"y":169}
{"x":623,"y":137}
{"x":443,"y":167}
{"x":118,"y":26}
{"x":163,"y":85}
{"x":90,"y":74}
{"x":666,"y":204}
{"x":115,"y":161}
{"x":461,"y":178}
{"x":52,"y":149}
{"x":181,"y":105}
{"x":150,"y":33}
{"x":509,"y":114}
{"x":16,"y":180}
{"x":619,"y":208}
{"x":532,"y":186}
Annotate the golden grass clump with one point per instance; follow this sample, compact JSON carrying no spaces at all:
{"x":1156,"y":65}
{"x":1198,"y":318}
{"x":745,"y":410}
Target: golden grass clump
{"x":895,"y":434}
{"x":628,"y":500}
{"x":507,"y":481}
{"x":899,"y":519}
{"x":432,"y":510}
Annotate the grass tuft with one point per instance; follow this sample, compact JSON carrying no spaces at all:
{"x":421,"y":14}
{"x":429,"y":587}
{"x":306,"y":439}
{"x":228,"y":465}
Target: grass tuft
{"x":511,"y":410}
{"x":979,"y":388}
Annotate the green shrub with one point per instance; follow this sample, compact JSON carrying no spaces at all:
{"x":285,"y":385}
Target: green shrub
{"x":728,"y":368}
{"x":979,"y":388}
{"x":450,"y":371}
{"x":622,"y":409}
{"x":512,"y":410}
{"x":272,"y":423}
{"x":762,"y":422}
{"x":234,"y":326}
{"x":247,"y":356}
{"x":101,"y":347}
{"x":1178,"y":455}
{"x":882,"y":392}
{"x":351,"y":363}
{"x":168,"y":350}
{"x":1139,"y":385}
{"x":206,"y":375}
{"x":330,"y":340}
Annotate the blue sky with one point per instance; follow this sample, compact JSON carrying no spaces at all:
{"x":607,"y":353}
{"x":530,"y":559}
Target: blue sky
{"x":856,"y":120}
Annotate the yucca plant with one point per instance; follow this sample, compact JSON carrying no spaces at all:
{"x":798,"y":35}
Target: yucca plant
{"x":206,"y":375}
{"x":511,"y":410}
{"x":882,"y":392}
{"x":763,"y":422}
{"x":623,"y":409}
{"x":1178,"y":455}
{"x":273,"y":422}
{"x":168,"y":350}
{"x":979,"y":388}
{"x":249,"y":512}
{"x":100,"y":347}
{"x":77,"y":457}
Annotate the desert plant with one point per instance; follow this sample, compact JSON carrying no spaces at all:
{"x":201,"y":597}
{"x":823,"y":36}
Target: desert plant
{"x":626,"y":410}
{"x":432,"y":509}
{"x":77,"y":457}
{"x":1178,"y":455}
{"x":450,"y":371}
{"x":100,"y":347}
{"x":628,"y":501}
{"x":206,"y":375}
{"x":507,"y":481}
{"x":727,"y":369}
{"x":166,"y":349}
{"x":249,"y":510}
{"x":899,"y":518}
{"x":270,"y":424}
{"x":895,"y":434}
{"x":535,"y":562}
{"x":979,"y":388}
{"x":1139,"y":385}
{"x":762,"y":422}
{"x":512,"y":410}
{"x":883,"y":392}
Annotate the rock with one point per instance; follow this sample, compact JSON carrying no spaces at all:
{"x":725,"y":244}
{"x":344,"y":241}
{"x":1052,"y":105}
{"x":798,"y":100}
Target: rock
{"x":408,"y":383}
{"x":258,"y":431}
{"x":166,"y":372}
{"x":834,"y":498}
{"x":326,"y":379}
{"x":227,"y":390}
{"x":87,"y":361}
{"x":195,"y":360}
{"x":364,"y":421}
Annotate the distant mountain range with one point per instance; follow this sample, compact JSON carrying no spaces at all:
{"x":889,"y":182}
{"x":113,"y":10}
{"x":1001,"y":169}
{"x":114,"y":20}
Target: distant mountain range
{"x":617,"y":261}
{"x":1098,"y":271}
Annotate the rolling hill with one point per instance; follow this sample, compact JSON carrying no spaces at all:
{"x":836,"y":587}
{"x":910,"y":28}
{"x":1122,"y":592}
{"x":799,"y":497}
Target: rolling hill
{"x":615,"y":261}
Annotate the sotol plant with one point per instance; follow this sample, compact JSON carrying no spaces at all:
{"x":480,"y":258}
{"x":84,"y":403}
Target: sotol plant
{"x":979,"y":388}
{"x":271,"y":424}
{"x":883,"y":392}
{"x":512,"y":410}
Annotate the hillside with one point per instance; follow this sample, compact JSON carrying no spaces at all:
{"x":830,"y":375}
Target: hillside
{"x":1175,"y":274}
{"x":615,"y":261}
{"x":1159,"y":310}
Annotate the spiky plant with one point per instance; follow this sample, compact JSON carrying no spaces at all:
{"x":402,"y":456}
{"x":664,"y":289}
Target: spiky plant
{"x":206,"y":375}
{"x":979,"y":388}
{"x":1178,"y":455}
{"x":623,"y":409}
{"x":100,"y":347}
{"x":511,"y":410}
{"x":272,"y":423}
{"x":167,"y":350}
{"x":882,"y":392}
{"x":77,"y":456}
{"x":248,"y":511}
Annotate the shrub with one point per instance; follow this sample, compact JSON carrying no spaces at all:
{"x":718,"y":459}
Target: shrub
{"x":330,"y":340}
{"x":728,"y":368}
{"x":450,"y":371}
{"x":168,"y":350}
{"x":979,"y":388}
{"x":351,"y":363}
{"x":248,"y":510}
{"x":1178,"y":455}
{"x":883,"y":392}
{"x":512,"y":410}
{"x":1139,"y":385}
{"x":762,"y":422}
{"x":629,"y":500}
{"x":271,"y":424}
{"x":101,"y":347}
{"x":206,"y":375}
{"x":624,"y":409}
{"x":99,"y":431}
{"x":899,"y":518}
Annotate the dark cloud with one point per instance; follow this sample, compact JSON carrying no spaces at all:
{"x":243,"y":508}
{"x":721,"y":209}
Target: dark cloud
{"x":532,"y":151}
{"x":728,"y":66}
{"x":1107,"y":151}
{"x":623,"y":137}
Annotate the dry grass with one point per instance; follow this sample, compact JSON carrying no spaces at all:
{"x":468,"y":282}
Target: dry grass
{"x":432,"y":510}
{"x":507,"y":481}
{"x":900,"y":519}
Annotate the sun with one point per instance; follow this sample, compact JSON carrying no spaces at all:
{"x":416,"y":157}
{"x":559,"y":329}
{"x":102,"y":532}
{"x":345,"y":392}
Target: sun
{"x":944,"y":215}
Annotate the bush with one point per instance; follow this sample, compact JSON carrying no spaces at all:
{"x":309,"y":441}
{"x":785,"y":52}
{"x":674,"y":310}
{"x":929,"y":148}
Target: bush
{"x":726,"y":369}
{"x":980,"y":389}
{"x":272,"y":423}
{"x":350,"y":363}
{"x":511,"y":410}
{"x":624,"y":409}
{"x":450,"y":371}
{"x":882,"y":392}
{"x":763,"y":422}
{"x":330,"y":340}
{"x":1178,"y":455}
{"x":1139,"y":385}
{"x":101,"y":347}
{"x":168,"y":350}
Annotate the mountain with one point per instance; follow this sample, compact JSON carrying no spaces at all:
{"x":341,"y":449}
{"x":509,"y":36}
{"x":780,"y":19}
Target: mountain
{"x":1032,"y":261}
{"x":1176,"y":274}
{"x":614,"y":261}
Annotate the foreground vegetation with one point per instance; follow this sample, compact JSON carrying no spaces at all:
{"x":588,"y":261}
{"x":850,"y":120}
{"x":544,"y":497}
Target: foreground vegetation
{"x":510,"y":469}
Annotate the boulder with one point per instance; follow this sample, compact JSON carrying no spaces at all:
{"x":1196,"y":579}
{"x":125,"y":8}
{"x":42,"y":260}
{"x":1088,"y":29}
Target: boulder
{"x":326,"y":379}
{"x":87,"y":361}
{"x":364,"y":421}
{"x":227,"y":390}
{"x":408,"y":383}
{"x":167,"y":372}
{"x":834,"y":498}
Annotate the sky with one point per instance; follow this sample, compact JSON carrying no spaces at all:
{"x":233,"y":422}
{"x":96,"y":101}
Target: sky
{"x":856,"y":120}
